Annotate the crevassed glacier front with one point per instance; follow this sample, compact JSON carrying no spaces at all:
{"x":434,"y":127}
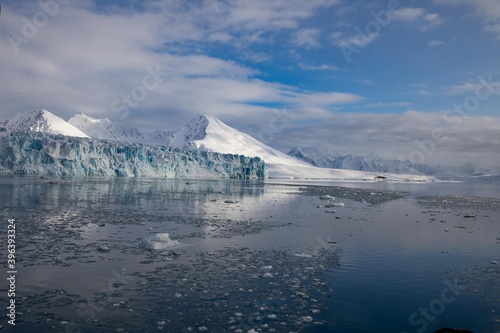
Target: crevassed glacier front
{"x":42,"y":154}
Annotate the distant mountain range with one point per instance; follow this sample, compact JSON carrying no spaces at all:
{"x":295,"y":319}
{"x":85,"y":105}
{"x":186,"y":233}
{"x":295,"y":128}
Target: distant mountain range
{"x":374,"y":163}
{"x":208,"y":133}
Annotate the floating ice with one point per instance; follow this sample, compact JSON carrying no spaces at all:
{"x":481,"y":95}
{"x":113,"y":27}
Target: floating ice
{"x":303,"y":255}
{"x":158,"y":242}
{"x":231,"y":201}
{"x":327,"y":197}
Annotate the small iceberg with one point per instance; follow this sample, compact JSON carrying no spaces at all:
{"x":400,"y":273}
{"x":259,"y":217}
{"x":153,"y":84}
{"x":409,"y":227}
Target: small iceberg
{"x":326,"y":197}
{"x":158,"y":242}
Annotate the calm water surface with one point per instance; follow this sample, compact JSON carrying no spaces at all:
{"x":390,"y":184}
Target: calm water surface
{"x":252,"y":257}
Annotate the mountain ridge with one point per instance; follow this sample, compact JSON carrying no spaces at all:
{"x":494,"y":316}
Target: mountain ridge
{"x":43,"y":121}
{"x":208,"y":133}
{"x":373,"y":162}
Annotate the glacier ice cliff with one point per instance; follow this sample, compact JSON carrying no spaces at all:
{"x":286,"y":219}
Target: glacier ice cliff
{"x":58,"y":155}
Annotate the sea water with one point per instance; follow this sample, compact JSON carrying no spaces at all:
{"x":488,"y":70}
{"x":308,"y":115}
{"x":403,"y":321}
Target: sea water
{"x":157,"y":255}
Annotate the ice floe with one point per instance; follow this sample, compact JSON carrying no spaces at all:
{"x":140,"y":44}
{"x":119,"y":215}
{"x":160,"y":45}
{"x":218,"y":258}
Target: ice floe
{"x":158,"y":242}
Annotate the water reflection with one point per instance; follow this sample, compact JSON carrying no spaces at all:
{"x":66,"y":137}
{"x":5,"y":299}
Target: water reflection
{"x":17,"y":192}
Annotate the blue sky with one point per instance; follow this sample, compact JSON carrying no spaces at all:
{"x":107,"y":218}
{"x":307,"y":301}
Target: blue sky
{"x":405,"y":79}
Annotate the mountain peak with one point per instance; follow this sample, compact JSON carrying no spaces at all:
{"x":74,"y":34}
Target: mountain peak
{"x":196,"y":129}
{"x":41,"y":120}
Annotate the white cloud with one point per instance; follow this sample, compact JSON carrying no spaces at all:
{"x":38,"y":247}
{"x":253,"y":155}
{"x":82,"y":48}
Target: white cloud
{"x":84,"y":59}
{"x":420,"y":17}
{"x":434,"y":43}
{"x":484,"y":85}
{"x":489,"y":10}
{"x":308,"y":38}
{"x":383,"y":105}
{"x":266,"y":15}
{"x":494,"y":29}
{"x":424,"y":92}
{"x":322,"y":67}
{"x":353,"y":40}
{"x":367,"y":82}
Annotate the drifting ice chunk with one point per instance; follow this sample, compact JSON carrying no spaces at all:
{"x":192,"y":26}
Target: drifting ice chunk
{"x":303,"y":255}
{"x":158,"y":242}
{"x":327,"y":197}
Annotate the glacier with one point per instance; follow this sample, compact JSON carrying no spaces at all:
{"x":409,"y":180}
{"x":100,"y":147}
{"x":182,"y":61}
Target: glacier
{"x":35,"y":153}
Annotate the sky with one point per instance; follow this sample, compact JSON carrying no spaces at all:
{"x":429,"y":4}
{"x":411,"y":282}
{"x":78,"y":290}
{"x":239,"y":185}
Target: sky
{"x":417,"y":80}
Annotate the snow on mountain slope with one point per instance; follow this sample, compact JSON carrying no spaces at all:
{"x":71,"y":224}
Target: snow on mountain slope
{"x":209,"y":133}
{"x":104,"y":129}
{"x":45,"y":122}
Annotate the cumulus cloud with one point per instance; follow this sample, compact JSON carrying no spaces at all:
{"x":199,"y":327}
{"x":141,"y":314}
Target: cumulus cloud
{"x":382,"y":105}
{"x":484,"y":84}
{"x":349,"y":40}
{"x":322,"y":67}
{"x":420,"y":17}
{"x":434,"y":43}
{"x":494,"y":29}
{"x":308,"y":37}
{"x":489,"y":10}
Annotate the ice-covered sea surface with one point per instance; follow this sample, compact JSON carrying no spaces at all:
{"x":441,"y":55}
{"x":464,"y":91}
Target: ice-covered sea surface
{"x":148,"y":255}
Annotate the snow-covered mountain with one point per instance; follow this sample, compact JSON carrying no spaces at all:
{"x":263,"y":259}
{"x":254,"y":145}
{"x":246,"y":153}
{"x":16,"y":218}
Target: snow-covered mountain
{"x":211,"y":134}
{"x":371,"y":162}
{"x":44,"y":122}
{"x":204,"y":133}
{"x":105,"y":129}
{"x":375,"y":163}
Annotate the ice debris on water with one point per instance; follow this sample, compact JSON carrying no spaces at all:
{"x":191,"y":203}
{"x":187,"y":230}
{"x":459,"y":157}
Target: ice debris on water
{"x":158,"y":242}
{"x":231,"y":201}
{"x":303,"y":255}
{"x":103,"y":249}
{"x":326,"y":197}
